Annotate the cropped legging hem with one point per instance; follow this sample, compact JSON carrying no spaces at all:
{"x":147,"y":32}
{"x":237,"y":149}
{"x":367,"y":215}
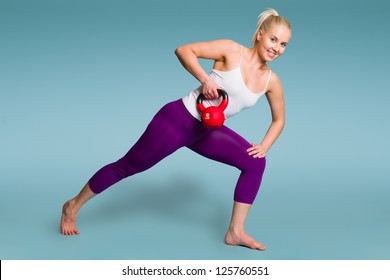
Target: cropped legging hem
{"x":172,"y":128}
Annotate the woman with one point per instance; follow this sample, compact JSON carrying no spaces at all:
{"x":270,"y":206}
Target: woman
{"x":243,"y":73}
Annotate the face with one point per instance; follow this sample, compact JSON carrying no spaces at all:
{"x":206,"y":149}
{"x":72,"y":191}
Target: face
{"x":273,"y":43}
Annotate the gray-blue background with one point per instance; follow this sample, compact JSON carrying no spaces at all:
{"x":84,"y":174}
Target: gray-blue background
{"x":80,"y":80}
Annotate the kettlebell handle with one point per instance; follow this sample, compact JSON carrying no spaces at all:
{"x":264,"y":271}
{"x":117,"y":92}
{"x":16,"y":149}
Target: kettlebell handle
{"x":222,"y":93}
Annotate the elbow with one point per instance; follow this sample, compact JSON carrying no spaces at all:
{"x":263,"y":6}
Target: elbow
{"x":179,"y":51}
{"x":183,"y":51}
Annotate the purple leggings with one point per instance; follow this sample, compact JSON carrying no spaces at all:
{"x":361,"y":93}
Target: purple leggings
{"x":172,"y":128}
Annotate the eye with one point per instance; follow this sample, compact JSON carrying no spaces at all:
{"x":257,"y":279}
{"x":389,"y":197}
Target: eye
{"x":273,"y":40}
{"x":284,"y":45}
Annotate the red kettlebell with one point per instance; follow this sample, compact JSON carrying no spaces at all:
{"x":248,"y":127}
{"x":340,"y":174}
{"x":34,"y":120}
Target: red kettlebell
{"x":213,"y":116}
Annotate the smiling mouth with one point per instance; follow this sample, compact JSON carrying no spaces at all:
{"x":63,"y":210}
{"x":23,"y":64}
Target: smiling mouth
{"x":271,"y":54}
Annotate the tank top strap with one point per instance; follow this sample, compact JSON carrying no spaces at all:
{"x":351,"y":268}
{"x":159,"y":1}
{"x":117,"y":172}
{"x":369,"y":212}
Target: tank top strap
{"x":269,"y":77}
{"x":240,"y":55}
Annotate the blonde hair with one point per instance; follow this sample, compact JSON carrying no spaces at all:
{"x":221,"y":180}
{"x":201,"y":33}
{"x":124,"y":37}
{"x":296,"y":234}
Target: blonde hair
{"x":267,"y":19}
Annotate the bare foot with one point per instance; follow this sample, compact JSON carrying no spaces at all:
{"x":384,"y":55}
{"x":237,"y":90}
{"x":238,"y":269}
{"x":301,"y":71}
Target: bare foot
{"x":242,"y":239}
{"x":68,"y":219}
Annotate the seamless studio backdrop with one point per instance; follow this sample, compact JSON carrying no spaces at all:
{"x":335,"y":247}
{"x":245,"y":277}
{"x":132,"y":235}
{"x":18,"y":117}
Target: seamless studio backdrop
{"x":80,"y":80}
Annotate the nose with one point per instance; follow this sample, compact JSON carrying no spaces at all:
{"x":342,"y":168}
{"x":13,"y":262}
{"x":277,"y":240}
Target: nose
{"x":276,"y":47}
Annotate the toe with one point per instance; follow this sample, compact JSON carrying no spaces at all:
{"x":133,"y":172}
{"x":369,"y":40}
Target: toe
{"x":260,"y":246}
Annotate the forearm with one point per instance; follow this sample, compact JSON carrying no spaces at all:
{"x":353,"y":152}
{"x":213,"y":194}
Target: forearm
{"x":273,"y":132}
{"x":190,"y":62}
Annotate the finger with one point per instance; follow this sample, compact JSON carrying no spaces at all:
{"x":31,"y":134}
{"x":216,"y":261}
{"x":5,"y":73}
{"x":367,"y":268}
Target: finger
{"x":207,"y":95}
{"x":212,"y":94}
{"x":253,"y":146}
{"x":251,"y":150}
{"x":258,"y":155}
{"x":253,"y":153}
{"x":262,"y":155}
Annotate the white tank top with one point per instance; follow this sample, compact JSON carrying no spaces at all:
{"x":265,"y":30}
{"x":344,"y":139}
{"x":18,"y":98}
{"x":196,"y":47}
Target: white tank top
{"x":240,"y":97}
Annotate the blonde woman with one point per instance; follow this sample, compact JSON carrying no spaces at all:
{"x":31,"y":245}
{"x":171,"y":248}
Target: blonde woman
{"x":244,"y":74}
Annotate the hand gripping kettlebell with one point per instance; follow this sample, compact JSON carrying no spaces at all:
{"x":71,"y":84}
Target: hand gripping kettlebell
{"x":213,"y":116}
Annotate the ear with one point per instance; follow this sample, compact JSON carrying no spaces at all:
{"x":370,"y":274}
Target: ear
{"x":259,"y":35}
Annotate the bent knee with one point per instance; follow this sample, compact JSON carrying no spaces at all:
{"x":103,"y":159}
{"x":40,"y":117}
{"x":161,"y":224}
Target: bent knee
{"x":256,"y":164}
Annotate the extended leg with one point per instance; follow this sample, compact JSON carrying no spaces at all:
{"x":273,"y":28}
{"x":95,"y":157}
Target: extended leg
{"x":166,"y":133}
{"x":163,"y":136}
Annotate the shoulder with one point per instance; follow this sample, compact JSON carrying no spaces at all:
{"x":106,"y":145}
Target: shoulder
{"x":274,"y":79}
{"x":229,"y":51}
{"x":275,"y":84}
{"x":227,"y":42}
{"x":227,"y":45}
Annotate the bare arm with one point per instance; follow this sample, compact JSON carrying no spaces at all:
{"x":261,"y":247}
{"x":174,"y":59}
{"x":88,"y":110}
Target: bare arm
{"x":275,"y":99}
{"x":220,"y":51}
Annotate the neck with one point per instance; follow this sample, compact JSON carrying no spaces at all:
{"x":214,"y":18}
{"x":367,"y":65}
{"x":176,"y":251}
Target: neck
{"x":255,"y":60}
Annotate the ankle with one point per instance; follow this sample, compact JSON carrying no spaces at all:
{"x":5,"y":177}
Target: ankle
{"x":236,"y":230}
{"x":71,"y":204}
